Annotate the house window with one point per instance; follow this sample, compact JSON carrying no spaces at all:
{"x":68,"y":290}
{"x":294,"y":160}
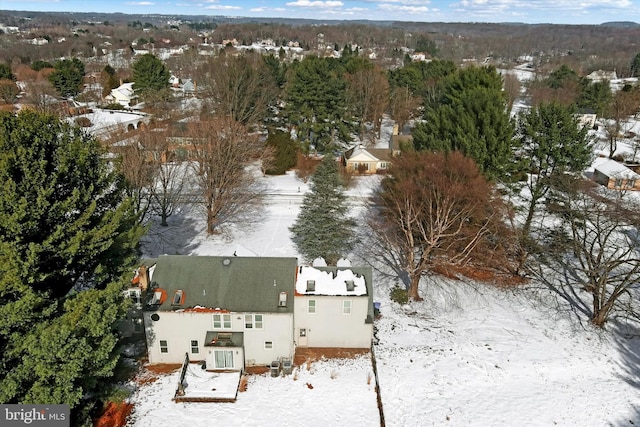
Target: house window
{"x":282,"y":299}
{"x":253,"y":321}
{"x":178,"y":298}
{"x":631,"y":183}
{"x":268,"y":345}
{"x":618,"y":182}
{"x":164,"y":347}
{"x":303,"y":332}
{"x":223,"y":359}
{"x":221,"y":321}
{"x":194,"y":347}
{"x":311,"y":307}
{"x":134,"y":294}
{"x":346,"y":307}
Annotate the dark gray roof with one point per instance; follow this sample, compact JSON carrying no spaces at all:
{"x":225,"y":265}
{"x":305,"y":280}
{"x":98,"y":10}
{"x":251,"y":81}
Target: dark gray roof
{"x":241,"y":284}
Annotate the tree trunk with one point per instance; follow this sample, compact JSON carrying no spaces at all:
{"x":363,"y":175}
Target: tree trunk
{"x":601,"y":312}
{"x":414,"y":294}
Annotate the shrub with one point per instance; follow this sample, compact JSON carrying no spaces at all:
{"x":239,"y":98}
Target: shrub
{"x":113,"y":106}
{"x":83,"y":122}
{"x":399,"y":295}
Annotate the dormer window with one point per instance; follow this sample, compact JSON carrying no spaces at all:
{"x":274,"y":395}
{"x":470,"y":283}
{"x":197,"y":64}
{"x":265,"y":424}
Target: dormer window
{"x":350,"y":285}
{"x":178,"y":297}
{"x":157,"y":297}
{"x":282,"y":299}
{"x":311,"y":285}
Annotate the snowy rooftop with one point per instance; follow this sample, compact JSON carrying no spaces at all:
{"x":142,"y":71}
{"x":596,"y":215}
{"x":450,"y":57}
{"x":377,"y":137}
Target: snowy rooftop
{"x":615,"y":169}
{"x":312,"y":281}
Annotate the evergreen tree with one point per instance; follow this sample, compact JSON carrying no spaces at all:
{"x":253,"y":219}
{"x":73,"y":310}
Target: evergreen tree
{"x":151,"y":77}
{"x":67,"y":76}
{"x":470,"y":116}
{"x":596,"y":96}
{"x":5,"y":72}
{"x":553,"y":145}
{"x":316,"y":103}
{"x":67,"y":237}
{"x":635,"y":66}
{"x":323,"y":228}
{"x":286,"y":151}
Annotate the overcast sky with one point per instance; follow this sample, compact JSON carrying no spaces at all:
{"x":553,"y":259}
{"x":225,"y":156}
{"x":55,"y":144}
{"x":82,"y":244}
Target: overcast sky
{"x":532,"y":11}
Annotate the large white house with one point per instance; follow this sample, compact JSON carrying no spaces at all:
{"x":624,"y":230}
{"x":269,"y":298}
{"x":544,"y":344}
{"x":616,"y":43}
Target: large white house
{"x":232,"y":312}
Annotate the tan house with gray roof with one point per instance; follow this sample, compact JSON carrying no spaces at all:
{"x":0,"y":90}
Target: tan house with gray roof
{"x":615,"y":175}
{"x":362,"y":160}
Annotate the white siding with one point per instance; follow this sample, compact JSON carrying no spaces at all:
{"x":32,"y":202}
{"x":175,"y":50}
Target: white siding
{"x":329,"y":327}
{"x":180,"y":328}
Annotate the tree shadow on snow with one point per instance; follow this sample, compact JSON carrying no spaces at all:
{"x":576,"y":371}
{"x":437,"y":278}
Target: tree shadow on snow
{"x":562,"y":280}
{"x":178,"y":238}
{"x":627,"y":337}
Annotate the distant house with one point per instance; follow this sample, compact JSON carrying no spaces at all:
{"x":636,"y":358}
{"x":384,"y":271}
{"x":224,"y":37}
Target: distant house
{"x":615,"y":175}
{"x":601,"y":75}
{"x":363,"y":160}
{"x":234,"y":312}
{"x":123,"y":95}
{"x":188,"y":88}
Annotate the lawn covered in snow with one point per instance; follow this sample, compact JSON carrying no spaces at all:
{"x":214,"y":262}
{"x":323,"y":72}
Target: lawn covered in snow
{"x":469,"y":354}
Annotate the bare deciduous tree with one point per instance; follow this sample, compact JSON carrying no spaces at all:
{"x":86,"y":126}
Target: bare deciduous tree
{"x":624,"y":105}
{"x":368,"y":94}
{"x":240,"y":87}
{"x":434,"y":209}
{"x":223,"y":151}
{"x":138,"y":170}
{"x":169,"y":175}
{"x":512,"y":89}
{"x":42,"y":95}
{"x":404,"y":106}
{"x":598,"y":244}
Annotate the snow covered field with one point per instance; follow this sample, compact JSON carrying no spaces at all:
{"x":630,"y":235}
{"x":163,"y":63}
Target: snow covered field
{"x":469,"y":354}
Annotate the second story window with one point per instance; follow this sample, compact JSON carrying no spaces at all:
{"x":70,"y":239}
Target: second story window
{"x":222,"y":321}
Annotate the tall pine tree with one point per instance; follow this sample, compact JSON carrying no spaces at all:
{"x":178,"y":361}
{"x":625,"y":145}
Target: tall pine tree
{"x":68,"y":235}
{"x":323,"y":228}
{"x":316,"y":103}
{"x":470,"y":116}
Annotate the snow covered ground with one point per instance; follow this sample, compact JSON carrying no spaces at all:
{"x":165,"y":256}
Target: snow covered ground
{"x":469,"y":354}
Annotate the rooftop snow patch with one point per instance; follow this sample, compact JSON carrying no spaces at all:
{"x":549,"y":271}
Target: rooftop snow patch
{"x":345,"y":282}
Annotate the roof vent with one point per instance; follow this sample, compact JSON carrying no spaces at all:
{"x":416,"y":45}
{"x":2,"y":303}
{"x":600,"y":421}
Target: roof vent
{"x":311,"y":285}
{"x":226,"y":261}
{"x":350,"y":285}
